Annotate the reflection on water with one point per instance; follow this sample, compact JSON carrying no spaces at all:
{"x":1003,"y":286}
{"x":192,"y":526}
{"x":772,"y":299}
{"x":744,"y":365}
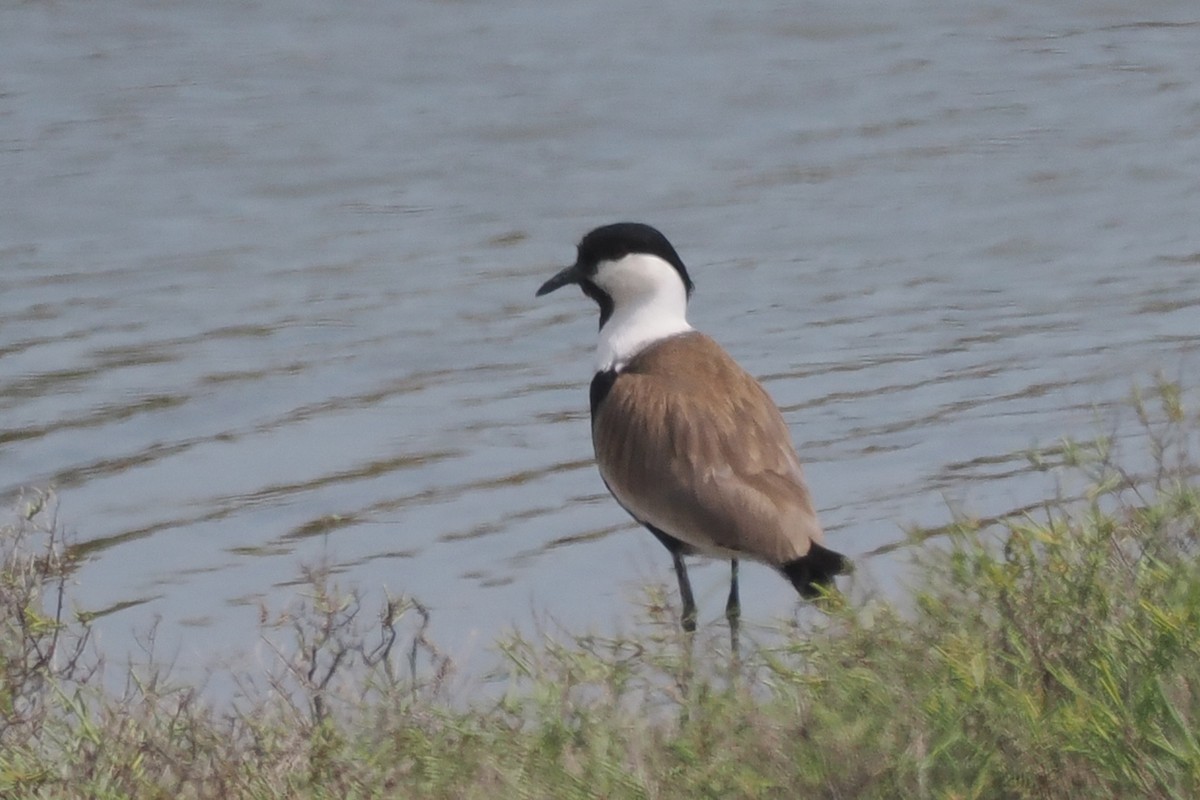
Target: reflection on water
{"x":266,"y":279}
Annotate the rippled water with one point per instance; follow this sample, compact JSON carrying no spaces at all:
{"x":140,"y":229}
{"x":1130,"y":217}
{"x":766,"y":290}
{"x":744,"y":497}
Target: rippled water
{"x":267,"y":275}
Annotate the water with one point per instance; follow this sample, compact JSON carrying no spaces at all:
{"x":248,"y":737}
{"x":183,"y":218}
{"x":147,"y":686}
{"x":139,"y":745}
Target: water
{"x":267,"y":275}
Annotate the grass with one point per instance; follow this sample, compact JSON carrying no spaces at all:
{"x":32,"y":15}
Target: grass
{"x":1054,"y":655}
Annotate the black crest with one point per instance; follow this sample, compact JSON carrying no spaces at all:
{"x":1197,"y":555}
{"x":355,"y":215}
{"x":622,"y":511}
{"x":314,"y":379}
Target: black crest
{"x":614,"y":242}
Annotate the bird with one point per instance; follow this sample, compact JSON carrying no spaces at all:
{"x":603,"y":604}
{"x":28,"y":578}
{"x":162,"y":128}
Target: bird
{"x":686,"y":440}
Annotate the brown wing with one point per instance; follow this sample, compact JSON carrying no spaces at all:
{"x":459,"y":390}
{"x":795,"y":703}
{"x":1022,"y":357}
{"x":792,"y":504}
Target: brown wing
{"x":689,"y":442}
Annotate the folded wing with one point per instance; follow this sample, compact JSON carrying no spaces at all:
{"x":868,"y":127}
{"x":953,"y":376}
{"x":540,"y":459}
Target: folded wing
{"x":690,"y":443}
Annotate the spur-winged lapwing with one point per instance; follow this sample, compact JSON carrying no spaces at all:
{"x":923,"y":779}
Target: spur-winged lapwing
{"x":686,"y":440}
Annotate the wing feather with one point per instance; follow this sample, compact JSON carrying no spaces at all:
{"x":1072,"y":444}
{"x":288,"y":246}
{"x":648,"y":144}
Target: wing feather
{"x":689,"y":442}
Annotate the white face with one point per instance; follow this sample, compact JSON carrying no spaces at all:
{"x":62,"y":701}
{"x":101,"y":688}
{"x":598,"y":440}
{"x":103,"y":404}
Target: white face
{"x":637,"y":278}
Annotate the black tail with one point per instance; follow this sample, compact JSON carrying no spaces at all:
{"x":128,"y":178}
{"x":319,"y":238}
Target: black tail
{"x":815,"y":569}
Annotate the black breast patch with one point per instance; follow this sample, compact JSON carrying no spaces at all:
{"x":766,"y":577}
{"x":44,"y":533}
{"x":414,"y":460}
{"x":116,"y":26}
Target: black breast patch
{"x":601,"y":383}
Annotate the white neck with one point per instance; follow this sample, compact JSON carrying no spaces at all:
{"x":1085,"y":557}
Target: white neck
{"x":649,"y":304}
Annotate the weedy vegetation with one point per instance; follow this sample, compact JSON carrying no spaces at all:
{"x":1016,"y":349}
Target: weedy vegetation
{"x":1053,"y":654}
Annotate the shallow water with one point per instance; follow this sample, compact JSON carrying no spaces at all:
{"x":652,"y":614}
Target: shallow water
{"x":267,"y":275}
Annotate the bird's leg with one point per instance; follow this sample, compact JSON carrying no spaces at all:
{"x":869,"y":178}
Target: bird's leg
{"x":685,"y":593}
{"x":733,"y":606}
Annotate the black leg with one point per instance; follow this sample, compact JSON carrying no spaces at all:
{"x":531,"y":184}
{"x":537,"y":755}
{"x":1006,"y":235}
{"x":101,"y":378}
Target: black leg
{"x":733,"y":606}
{"x":677,"y":549}
{"x":685,"y":593}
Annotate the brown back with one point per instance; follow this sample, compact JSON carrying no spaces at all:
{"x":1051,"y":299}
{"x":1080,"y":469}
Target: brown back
{"x":689,"y":442}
